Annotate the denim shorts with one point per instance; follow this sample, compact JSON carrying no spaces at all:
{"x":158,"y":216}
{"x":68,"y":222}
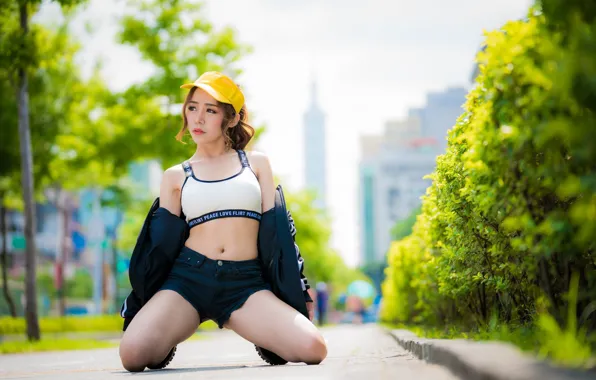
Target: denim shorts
{"x":215,"y":288}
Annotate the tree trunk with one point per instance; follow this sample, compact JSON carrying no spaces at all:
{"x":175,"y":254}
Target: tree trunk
{"x":64,"y":257}
{"x":62,"y":250}
{"x":6,"y":291}
{"x":117,"y":304}
{"x":27,"y":185}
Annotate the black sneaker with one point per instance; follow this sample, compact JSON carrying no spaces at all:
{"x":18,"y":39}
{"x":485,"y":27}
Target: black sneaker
{"x":270,"y":357}
{"x":164,"y":362}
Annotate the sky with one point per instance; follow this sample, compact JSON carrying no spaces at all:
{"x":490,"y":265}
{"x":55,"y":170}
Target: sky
{"x":371,"y":60}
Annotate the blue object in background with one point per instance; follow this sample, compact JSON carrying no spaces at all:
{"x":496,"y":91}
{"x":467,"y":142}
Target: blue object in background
{"x":361,"y":289}
{"x":76,"y":310}
{"x":78,"y":243}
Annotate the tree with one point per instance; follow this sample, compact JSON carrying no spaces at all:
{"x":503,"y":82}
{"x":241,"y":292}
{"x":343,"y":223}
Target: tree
{"x":3,"y":257}
{"x":177,"y":39}
{"x":19,"y":56}
{"x":313,"y":234}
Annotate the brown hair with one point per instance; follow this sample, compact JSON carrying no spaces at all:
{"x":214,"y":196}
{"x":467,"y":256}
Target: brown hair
{"x":237,"y":136}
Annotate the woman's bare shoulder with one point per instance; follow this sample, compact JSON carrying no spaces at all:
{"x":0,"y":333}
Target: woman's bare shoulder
{"x":262,"y":167}
{"x":259,"y":159}
{"x":173,"y":177}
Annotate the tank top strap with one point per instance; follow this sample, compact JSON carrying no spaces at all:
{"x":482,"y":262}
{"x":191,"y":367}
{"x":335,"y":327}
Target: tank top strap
{"x":187,"y":169}
{"x":243,"y":158}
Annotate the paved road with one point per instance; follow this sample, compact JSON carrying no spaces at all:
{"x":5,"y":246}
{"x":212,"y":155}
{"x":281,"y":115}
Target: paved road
{"x":355,"y":352}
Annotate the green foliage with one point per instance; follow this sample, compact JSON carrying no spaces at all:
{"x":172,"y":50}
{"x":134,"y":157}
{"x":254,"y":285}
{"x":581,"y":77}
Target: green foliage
{"x":180,"y":43}
{"x":17,"y":347}
{"x":566,"y":347}
{"x":48,"y":58}
{"x":131,"y":225}
{"x":410,"y":290}
{"x":102,"y":323}
{"x":403,"y":228}
{"x":322,"y":263}
{"x":525,"y":338}
{"x":82,"y":132}
{"x":49,"y":100}
{"x":17,"y":48}
{"x":44,"y":281}
{"x":511,"y":212}
{"x":569,"y":345}
{"x":80,"y":285}
{"x":75,"y":324}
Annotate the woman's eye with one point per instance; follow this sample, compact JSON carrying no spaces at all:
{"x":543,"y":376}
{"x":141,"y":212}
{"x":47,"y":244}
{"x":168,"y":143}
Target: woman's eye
{"x":192,"y":108}
{"x":211,"y":111}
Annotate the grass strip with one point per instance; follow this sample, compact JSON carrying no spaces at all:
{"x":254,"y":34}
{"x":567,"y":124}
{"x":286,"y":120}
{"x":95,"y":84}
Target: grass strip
{"x":19,"y":347}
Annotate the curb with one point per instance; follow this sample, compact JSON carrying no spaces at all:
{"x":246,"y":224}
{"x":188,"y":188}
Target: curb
{"x":473,"y":360}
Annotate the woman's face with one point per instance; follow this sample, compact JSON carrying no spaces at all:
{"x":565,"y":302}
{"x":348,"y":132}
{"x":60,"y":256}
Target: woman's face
{"x":204,"y":117}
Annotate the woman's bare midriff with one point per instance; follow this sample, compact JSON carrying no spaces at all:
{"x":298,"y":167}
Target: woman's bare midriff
{"x":226,"y":239}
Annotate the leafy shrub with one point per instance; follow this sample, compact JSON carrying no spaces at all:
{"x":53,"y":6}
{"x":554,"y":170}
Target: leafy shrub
{"x":511,"y":213}
{"x":9,"y":325}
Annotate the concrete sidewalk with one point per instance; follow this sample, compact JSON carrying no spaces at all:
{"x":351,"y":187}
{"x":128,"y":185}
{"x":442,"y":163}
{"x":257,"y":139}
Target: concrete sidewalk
{"x":355,"y":352}
{"x":472,"y":360}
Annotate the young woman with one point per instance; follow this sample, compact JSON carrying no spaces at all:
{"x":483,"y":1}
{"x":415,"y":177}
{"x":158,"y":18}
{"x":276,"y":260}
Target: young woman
{"x":222,"y":191}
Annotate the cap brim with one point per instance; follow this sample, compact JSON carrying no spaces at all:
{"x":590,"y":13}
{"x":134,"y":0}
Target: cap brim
{"x":209,"y":90}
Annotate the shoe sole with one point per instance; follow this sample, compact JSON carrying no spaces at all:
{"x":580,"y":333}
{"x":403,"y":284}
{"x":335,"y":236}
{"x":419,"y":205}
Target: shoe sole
{"x":270,"y":357}
{"x":166,"y":361}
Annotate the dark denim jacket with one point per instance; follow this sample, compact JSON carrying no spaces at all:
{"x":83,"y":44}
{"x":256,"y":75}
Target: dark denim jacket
{"x":163,"y":234}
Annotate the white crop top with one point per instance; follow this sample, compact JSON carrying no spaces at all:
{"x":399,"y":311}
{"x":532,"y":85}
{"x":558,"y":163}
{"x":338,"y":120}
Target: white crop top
{"x":235,"y":196}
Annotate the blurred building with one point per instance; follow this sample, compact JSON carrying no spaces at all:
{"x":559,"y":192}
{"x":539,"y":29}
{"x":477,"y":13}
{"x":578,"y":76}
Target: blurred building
{"x":393,"y":165}
{"x":315,"y":167}
{"x":440,"y":113}
{"x":145,"y":176}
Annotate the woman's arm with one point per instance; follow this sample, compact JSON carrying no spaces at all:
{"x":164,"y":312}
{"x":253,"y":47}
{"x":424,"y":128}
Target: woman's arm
{"x":260,"y":162}
{"x":169,"y":192}
{"x":265,"y":175}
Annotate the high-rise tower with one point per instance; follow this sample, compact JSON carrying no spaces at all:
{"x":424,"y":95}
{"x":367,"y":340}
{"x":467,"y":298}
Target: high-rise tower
{"x":314,"y":149}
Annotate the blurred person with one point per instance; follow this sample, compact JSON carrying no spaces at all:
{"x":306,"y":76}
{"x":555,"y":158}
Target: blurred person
{"x":322,"y":302}
{"x":355,"y":307}
{"x":222,"y":192}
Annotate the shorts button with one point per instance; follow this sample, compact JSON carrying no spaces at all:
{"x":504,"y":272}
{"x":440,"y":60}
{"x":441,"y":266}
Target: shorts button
{"x":219,"y":263}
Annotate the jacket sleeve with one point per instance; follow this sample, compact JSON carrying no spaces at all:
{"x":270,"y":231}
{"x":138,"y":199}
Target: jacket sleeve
{"x":156,"y":248}
{"x":303,"y":279}
{"x":166,"y":234}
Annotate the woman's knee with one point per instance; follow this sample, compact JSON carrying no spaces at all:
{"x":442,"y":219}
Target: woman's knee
{"x":313,"y":349}
{"x":134,"y":354}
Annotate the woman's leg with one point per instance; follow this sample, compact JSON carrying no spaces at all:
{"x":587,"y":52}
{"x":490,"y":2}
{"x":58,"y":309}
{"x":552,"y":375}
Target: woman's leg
{"x":166,"y":320}
{"x":272,"y":324}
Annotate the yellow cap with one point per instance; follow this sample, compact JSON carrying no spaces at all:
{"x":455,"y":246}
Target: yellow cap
{"x":221,"y":87}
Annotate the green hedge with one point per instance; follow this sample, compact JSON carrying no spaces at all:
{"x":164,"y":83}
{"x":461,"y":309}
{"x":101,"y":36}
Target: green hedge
{"x":100,"y":323}
{"x":511,"y":214}
{"x":9,"y":325}
{"x":17,"y":347}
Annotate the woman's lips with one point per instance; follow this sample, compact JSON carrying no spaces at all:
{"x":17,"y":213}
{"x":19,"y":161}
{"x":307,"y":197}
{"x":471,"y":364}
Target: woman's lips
{"x":197,"y":131}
